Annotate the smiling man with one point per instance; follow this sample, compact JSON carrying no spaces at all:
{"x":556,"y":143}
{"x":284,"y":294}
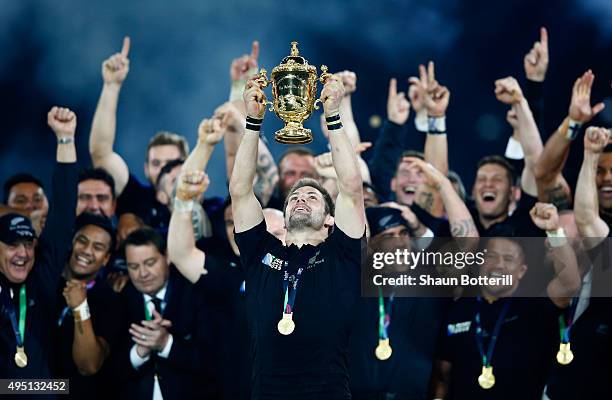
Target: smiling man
{"x":30,"y":267}
{"x":88,"y":313}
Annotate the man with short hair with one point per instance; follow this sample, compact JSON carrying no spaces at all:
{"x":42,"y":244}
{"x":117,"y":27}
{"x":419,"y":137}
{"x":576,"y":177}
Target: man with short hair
{"x":316,"y":272}
{"x":30,"y":267}
{"x":96,"y":193}
{"x":25,"y":192}
{"x":89,"y":314}
{"x":168,"y":353}
{"x":133,"y":196}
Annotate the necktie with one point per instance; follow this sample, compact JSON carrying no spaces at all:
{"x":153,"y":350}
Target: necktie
{"x":157,"y":302}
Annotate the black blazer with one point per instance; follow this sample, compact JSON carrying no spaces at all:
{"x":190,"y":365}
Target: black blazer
{"x":188,"y":372}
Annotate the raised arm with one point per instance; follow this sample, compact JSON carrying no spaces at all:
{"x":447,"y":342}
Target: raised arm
{"x":241,"y":69}
{"x":209,"y":134}
{"x":436,"y":102}
{"x":459,"y":217}
{"x":509,"y":92}
{"x":246,"y":208}
{"x":182,"y":250}
{"x":586,"y":204}
{"x":103,"y":127}
{"x":566,"y":281}
{"x":552,"y":160}
{"x":350,"y":213}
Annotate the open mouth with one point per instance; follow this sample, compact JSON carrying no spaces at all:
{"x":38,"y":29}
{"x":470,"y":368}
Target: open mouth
{"x":410,"y":189}
{"x":495,"y":274}
{"x":488,"y":197}
{"x":83,"y":261}
{"x":301,"y":209}
{"x":606,"y":190}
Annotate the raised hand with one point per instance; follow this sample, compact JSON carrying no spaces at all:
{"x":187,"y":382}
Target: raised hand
{"x":580,"y":107}
{"x":241,"y":66}
{"x":398,"y":108}
{"x":349,"y":80}
{"x":75,"y":293}
{"x":545,"y":216}
{"x":116,"y":67}
{"x":508,"y":91}
{"x":596,"y":139}
{"x":210,"y":131}
{"x":331,"y":95}
{"x":433,"y":177}
{"x":536,"y":60}
{"x":254,"y":98}
{"x":231,"y":118}
{"x":62,"y":121}
{"x":191,"y":185}
{"x":436,"y":96}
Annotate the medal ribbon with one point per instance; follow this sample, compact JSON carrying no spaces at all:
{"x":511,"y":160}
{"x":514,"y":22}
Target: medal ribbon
{"x":66,"y":309}
{"x":384,"y":315}
{"x":18,"y":328}
{"x":486,"y":358}
{"x":565,"y":327}
{"x":290,"y":295}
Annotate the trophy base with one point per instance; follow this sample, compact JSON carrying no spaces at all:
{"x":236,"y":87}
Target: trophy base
{"x":293,"y":133}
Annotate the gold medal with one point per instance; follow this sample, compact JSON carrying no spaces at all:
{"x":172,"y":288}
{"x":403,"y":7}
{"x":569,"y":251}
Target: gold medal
{"x":21,"y":359}
{"x":383,"y":350}
{"x":286,"y":326}
{"x":486,"y":380}
{"x":565,"y":354}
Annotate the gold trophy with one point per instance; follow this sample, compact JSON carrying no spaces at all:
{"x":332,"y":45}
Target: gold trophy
{"x":294,"y":89}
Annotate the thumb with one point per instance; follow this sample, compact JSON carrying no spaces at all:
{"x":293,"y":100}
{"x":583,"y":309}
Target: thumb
{"x":597,"y":108}
{"x":157,"y":317}
{"x":166,"y":323}
{"x":363,"y":146}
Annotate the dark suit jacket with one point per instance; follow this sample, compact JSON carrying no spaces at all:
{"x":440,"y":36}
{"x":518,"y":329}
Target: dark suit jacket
{"x":188,"y":372}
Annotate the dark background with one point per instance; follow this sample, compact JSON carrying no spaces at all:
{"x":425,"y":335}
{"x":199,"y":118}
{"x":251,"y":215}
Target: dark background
{"x":51,"y":53}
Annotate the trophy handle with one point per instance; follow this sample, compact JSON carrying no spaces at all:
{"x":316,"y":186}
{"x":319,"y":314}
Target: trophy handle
{"x":315,"y":105}
{"x":262,"y":79}
{"x":271,"y":104}
{"x":324,"y":74}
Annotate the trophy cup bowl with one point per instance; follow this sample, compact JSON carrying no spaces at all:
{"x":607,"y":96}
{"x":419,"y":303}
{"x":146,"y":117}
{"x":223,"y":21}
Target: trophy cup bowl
{"x":294,"y":89}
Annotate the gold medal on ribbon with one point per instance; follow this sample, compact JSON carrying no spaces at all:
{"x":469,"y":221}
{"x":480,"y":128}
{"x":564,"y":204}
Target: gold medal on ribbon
{"x":383,"y":350}
{"x":286,"y":326}
{"x":21,"y":359}
{"x":486,"y":380}
{"x":565,"y":354}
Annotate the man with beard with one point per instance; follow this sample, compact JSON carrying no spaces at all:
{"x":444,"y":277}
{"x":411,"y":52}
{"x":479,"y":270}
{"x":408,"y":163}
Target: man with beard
{"x":30,"y":268}
{"x":88,"y":313}
{"x":300,"y":297}
{"x":498,"y":345}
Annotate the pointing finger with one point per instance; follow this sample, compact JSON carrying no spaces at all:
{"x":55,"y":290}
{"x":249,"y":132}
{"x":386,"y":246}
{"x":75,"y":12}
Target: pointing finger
{"x":255,"y":50}
{"x":392,"y":87}
{"x":125,"y":50}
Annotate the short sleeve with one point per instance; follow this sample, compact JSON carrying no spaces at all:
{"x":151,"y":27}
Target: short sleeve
{"x":253,"y":244}
{"x":352,"y":251}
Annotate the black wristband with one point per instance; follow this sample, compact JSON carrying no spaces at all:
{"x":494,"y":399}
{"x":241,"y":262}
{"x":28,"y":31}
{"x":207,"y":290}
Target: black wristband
{"x":333,"y":127}
{"x":254,"y":121}
{"x":333,"y":118}
{"x":252,"y":127}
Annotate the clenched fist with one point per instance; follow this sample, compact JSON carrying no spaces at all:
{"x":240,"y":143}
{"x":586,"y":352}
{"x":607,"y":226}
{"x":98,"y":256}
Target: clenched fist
{"x":349,"y":80}
{"x":545,"y":216}
{"x":508,"y":91}
{"x":331,"y":95}
{"x":210,"y":131}
{"x":580,"y":107}
{"x":116,"y":67}
{"x":191,"y":185}
{"x":255,"y":98}
{"x":75,"y":293}
{"x":62,"y":121}
{"x":596,"y":139}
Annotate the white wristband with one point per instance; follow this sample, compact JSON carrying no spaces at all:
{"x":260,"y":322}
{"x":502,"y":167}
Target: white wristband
{"x":81,"y":312}
{"x":436,"y":125}
{"x":557,"y":238}
{"x":420,"y":121}
{"x":183,"y":205}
